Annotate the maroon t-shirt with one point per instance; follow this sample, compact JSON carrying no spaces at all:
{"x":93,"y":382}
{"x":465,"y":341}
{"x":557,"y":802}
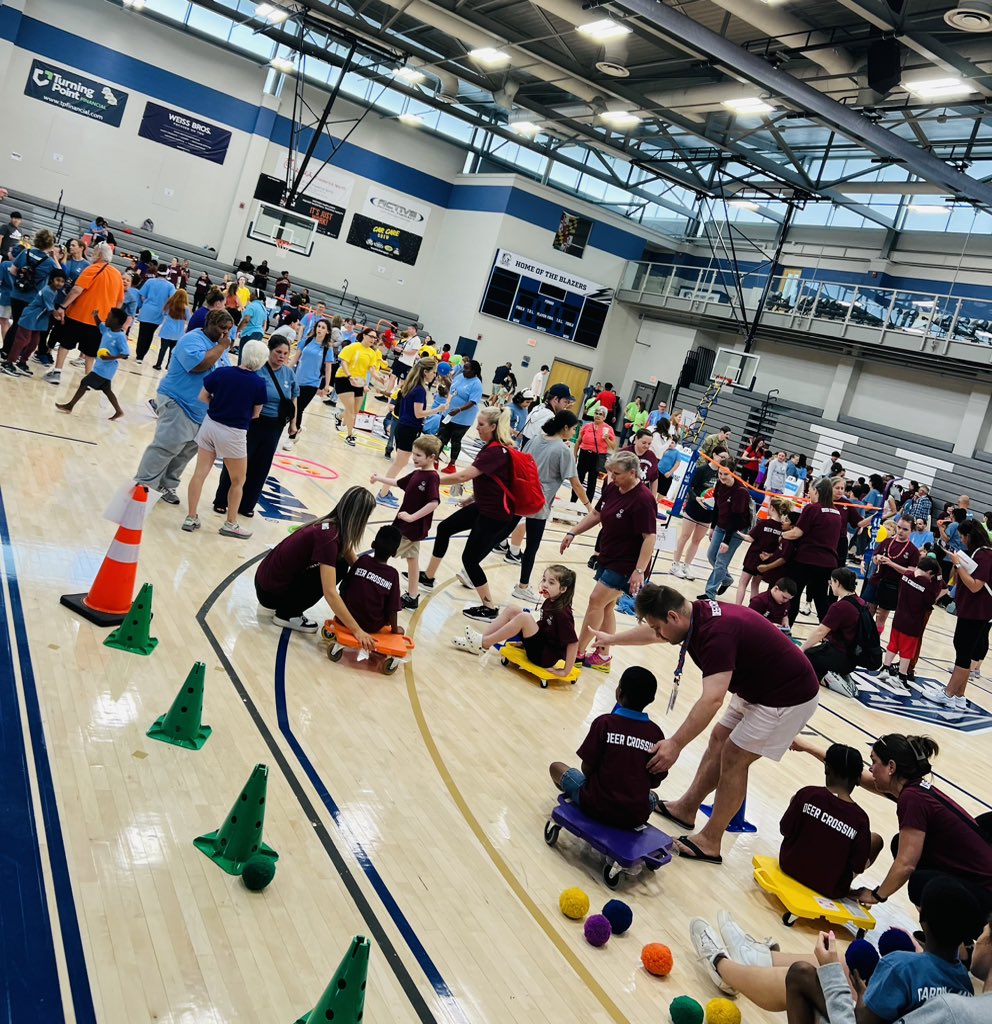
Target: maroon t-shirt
{"x":420,"y":488}
{"x":371,"y":590}
{"x":733,"y":507}
{"x":826,"y":841}
{"x":649,"y":464}
{"x":768,"y":668}
{"x":904,"y":553}
{"x":625,"y":518}
{"x":976,"y":605}
{"x":556,"y":629}
{"x":615,"y":754}
{"x":766,"y":605}
{"x":842,"y":621}
{"x":951,"y":843}
{"x":917,"y":595}
{"x":493,"y":463}
{"x":766,"y":538}
{"x":314,"y":544}
{"x":821,"y":526}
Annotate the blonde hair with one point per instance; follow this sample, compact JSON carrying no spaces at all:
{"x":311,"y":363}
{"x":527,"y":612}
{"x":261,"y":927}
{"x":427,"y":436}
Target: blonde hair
{"x":416,"y":376}
{"x":429,"y":445}
{"x":782,"y":506}
{"x":254,"y":355}
{"x":500,"y":420}
{"x":624,"y":462}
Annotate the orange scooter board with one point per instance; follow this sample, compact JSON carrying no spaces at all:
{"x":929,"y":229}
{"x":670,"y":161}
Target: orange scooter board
{"x":513,"y":654}
{"x":393,"y":647}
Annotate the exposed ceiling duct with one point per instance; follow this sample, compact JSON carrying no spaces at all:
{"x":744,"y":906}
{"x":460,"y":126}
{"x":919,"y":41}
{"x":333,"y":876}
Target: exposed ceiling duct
{"x":447,"y":92}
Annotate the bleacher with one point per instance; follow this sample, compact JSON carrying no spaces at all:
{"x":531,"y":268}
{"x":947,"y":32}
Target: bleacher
{"x":71,"y":223}
{"x":799,"y":429}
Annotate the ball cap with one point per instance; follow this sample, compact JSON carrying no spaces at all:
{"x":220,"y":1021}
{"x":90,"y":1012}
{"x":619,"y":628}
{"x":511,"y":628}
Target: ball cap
{"x":560,"y":391}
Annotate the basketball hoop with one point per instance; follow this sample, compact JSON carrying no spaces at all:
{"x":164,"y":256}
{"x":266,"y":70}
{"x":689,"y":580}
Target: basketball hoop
{"x":283,"y":243}
{"x":724,"y":382}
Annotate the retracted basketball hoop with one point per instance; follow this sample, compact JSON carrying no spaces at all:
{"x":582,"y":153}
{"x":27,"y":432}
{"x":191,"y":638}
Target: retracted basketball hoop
{"x":283,"y":243}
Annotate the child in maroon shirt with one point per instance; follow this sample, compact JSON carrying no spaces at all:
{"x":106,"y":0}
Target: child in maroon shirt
{"x":826,"y":836}
{"x":773,"y":604}
{"x":918,"y":592}
{"x":371,"y":590}
{"x":614,"y":785}
{"x":764,"y":559}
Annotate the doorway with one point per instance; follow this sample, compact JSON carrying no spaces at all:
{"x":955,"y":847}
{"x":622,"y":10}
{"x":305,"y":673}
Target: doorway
{"x":572,"y":374}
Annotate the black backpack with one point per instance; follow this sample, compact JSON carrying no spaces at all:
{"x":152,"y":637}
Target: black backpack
{"x":26,"y":279}
{"x":867,"y":649}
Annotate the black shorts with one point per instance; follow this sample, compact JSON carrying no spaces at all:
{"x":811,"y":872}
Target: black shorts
{"x":95,"y":382}
{"x":887,"y":594}
{"x":343,"y":386}
{"x":535,"y":650}
{"x":694,"y":511}
{"x":405,"y":436}
{"x":86,"y":336}
{"x":971,"y":641}
{"x":401,"y":370}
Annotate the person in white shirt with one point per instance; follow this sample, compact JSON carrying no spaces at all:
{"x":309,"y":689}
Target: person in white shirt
{"x":776,"y":474}
{"x":409,"y":349}
{"x":537,"y":384}
{"x":559,"y":399}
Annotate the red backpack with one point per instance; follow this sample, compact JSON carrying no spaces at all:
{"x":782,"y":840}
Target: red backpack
{"x":525,"y":494}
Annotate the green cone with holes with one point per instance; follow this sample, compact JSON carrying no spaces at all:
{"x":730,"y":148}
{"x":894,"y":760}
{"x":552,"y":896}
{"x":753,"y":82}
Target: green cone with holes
{"x":181,"y":725}
{"x":343,"y":1000}
{"x":132,"y":635}
{"x":240,"y":837}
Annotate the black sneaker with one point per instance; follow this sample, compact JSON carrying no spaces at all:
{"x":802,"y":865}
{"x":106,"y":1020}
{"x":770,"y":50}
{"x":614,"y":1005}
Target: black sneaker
{"x":427,"y":582}
{"x":513,"y":559}
{"x":410,"y":602}
{"x":330,"y":401}
{"x":387,"y":454}
{"x":350,"y":440}
{"x":593,"y":562}
{"x":725,"y":586}
{"x":24,"y":370}
{"x":170,"y":497}
{"x":911,"y":676}
{"x":481,"y":613}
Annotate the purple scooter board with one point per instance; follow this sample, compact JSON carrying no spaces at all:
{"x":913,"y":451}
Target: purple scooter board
{"x":624,"y":848}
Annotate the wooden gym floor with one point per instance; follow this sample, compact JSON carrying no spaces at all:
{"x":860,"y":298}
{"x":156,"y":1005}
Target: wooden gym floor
{"x":409,"y":808}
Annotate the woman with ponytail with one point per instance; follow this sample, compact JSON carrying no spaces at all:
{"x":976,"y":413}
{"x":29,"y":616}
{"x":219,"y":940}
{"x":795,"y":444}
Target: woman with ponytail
{"x":937,"y":837}
{"x":487,"y":515}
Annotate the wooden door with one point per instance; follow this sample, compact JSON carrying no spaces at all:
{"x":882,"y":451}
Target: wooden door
{"x":572,"y":374}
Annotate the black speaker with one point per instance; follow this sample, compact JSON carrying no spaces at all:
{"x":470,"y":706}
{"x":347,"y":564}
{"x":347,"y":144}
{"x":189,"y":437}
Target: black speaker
{"x":269,"y":189}
{"x":883,"y":68}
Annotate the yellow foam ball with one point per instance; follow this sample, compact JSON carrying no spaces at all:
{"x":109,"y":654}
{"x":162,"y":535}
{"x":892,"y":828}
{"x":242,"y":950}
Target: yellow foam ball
{"x":574,"y":903}
{"x":104,"y":353}
{"x":722,"y":1011}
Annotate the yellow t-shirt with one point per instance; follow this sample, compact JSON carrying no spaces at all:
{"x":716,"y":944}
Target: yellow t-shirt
{"x":356,"y":360}
{"x":244,"y":297}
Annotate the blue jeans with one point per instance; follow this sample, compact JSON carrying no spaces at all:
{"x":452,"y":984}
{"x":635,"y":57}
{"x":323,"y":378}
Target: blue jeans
{"x":571,"y":782}
{"x":720,"y":562}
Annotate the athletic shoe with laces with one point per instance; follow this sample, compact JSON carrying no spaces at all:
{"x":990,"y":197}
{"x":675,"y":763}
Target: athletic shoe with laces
{"x":709,"y":951}
{"x":300,"y":623}
{"x":170,"y":497}
{"x":463,"y":579}
{"x":24,"y":370}
{"x":725,"y":585}
{"x":427,"y":582}
{"x":234,"y":530}
{"x":741,"y":947}
{"x":350,"y":440}
{"x":449,"y":469}
{"x":9,"y":369}
{"x":687,"y":573}
{"x":53,"y":377}
{"x":82,"y":362}
{"x":503,"y":546}
{"x":410,"y":603}
{"x":152,"y":404}
{"x":513,"y":559}
{"x":598,"y":662}
{"x":939,"y":695}
{"x":677,"y":571}
{"x":480,"y":612}
{"x":289,"y":444}
{"x":387,"y":499}
{"x":191,"y":523}
{"x":974,"y":674}
{"x":526,"y":594}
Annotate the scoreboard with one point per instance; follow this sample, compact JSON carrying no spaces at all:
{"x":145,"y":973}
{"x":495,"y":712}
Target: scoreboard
{"x":545,"y":299}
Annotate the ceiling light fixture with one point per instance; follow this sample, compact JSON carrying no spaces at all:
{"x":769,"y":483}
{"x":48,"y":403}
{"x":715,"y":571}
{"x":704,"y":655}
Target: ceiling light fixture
{"x":135,"y":5}
{"x":931,"y":210}
{"x":282,"y":64}
{"x":743,"y":204}
{"x":271,"y":13}
{"x":938,"y":88}
{"x":413,"y":120}
{"x":605,"y":28}
{"x":619,"y":118}
{"x":490,"y":57}
{"x":410,"y":75}
{"x":525,"y":128}
{"x":748,"y":105}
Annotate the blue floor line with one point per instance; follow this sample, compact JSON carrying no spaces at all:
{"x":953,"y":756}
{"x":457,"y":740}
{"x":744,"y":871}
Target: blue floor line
{"x":376,"y":880}
{"x":31,"y":984}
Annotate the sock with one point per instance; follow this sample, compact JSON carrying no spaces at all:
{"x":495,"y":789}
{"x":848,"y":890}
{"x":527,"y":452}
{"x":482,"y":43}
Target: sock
{"x":514,"y":549}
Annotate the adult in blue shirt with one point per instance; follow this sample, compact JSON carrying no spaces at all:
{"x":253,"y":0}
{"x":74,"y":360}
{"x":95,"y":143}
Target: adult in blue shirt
{"x":464,"y":403}
{"x":180,"y":411}
{"x":281,"y":392}
{"x":40,"y":258}
{"x":252,"y":326}
{"x":314,"y":360}
{"x":132,"y":299}
{"x":154,"y":294}
{"x":666,"y":467}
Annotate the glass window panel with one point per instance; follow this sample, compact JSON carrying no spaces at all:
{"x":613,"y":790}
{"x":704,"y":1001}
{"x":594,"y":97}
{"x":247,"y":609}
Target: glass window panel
{"x":209,"y":22}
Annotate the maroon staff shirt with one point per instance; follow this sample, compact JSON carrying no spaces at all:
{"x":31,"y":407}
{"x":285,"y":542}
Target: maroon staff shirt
{"x":624,"y":518}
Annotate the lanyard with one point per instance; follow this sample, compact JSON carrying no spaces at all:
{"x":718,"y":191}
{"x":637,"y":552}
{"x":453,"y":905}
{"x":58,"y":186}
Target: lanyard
{"x":679,"y":665}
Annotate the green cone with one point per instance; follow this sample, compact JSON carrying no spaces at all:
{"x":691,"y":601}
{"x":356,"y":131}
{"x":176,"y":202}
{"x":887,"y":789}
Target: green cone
{"x":132,"y":635}
{"x":180,"y":725}
{"x":343,"y":1000}
{"x":240,"y":837}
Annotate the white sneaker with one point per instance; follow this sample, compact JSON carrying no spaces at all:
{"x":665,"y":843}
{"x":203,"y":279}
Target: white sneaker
{"x":526,"y":594}
{"x":939,"y":695}
{"x":741,"y":947}
{"x":974,"y":674}
{"x":300,"y":623}
{"x":807,"y":609}
{"x":464,"y":580}
{"x":77,"y":362}
{"x":53,"y":377}
{"x":234,"y":530}
{"x":677,"y":571}
{"x":289,"y":444}
{"x":960,"y":703}
{"x":708,"y":949}
{"x":687,"y":573}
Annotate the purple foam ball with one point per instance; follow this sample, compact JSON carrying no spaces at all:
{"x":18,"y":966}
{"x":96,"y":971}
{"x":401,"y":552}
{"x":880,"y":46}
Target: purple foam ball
{"x":894,"y":940}
{"x":862,"y":956}
{"x":597,"y":930}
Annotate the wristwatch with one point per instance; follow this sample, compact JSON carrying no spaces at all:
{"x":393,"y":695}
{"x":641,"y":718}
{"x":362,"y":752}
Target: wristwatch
{"x":878,"y":897}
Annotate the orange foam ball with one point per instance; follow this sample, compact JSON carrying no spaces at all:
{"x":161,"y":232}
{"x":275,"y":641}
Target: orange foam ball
{"x":657,"y":959}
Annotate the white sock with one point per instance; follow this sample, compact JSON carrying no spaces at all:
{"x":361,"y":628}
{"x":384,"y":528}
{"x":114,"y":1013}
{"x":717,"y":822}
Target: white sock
{"x":514,"y":549}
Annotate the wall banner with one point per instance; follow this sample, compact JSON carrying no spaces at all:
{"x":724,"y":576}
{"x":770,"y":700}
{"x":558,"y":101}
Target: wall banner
{"x":384,"y":239}
{"x":62,"y":88}
{"x":396,"y":210}
{"x":184,"y":132}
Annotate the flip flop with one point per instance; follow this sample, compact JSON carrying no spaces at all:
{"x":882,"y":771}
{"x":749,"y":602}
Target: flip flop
{"x":696,"y":853}
{"x":661,"y":809}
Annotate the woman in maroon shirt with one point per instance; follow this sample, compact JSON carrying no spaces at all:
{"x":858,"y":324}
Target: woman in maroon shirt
{"x":732,"y":516}
{"x":814,"y":554}
{"x":488,"y":515}
{"x":641,"y":447}
{"x":974,"y":612}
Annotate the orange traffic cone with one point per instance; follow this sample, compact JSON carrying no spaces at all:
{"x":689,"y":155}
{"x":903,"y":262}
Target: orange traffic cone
{"x":110,"y":597}
{"x":765,"y":505}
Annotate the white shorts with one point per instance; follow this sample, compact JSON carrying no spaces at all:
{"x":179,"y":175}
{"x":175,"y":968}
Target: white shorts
{"x":6,"y":313}
{"x":227,"y":442}
{"x":765,"y":731}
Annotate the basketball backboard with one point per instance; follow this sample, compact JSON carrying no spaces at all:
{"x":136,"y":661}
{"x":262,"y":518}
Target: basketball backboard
{"x":286,"y":229}
{"x":737,"y":369}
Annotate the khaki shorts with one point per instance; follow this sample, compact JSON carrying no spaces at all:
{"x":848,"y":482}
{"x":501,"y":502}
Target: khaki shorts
{"x":226,"y":442}
{"x":765,"y":731}
{"x":408,"y":549}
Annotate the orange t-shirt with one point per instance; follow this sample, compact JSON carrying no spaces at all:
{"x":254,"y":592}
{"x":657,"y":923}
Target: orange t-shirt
{"x":103,"y":289}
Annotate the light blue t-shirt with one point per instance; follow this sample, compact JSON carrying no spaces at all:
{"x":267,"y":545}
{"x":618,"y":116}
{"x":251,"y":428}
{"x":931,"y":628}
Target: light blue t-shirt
{"x":73,"y":268}
{"x":518,"y":416}
{"x":921,"y":537}
{"x":668,"y":459}
{"x":903,"y":981}
{"x":256,"y":313}
{"x":180,"y":383}
{"x":287,"y":381}
{"x":155,"y":293}
{"x":655,"y":418}
{"x":465,"y":390}
{"x":37,"y":313}
{"x":309,"y":367}
{"x":116,"y":344}
{"x":173,"y":328}
{"x":954,"y":541}
{"x":132,"y":299}
{"x":6,"y":282}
